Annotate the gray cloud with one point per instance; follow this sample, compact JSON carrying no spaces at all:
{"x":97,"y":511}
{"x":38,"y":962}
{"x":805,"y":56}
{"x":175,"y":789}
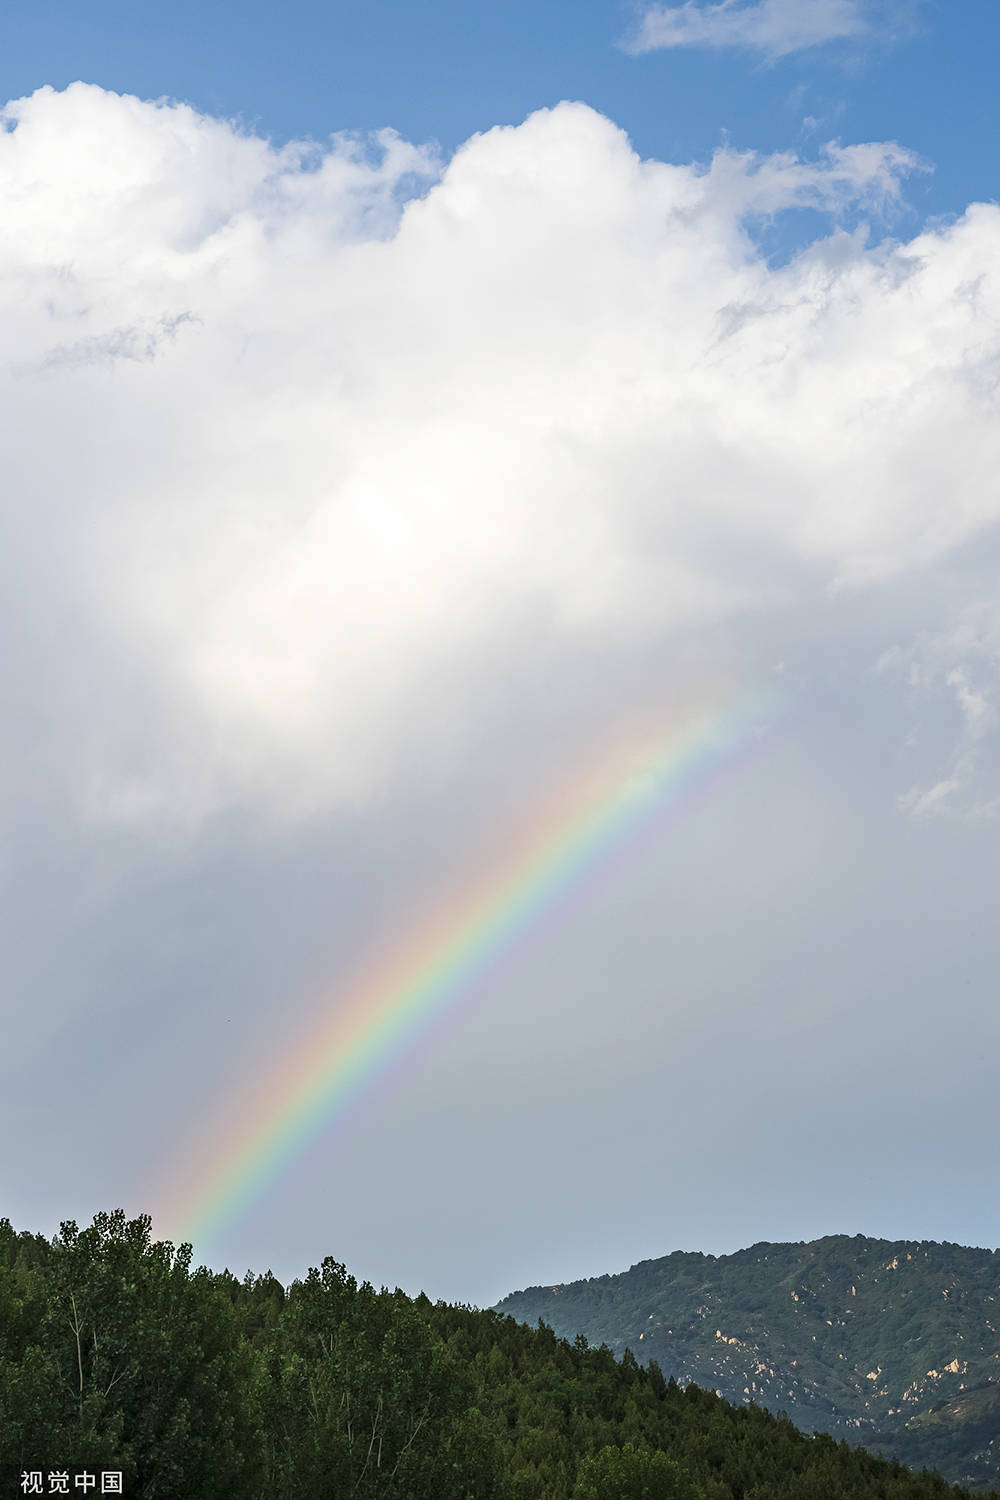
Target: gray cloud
{"x":958,"y":665}
{"x":140,"y":343}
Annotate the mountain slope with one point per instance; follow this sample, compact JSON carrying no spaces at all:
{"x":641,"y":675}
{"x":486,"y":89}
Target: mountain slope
{"x":115,"y":1354}
{"x":852,"y":1336}
{"x":959,"y":1437}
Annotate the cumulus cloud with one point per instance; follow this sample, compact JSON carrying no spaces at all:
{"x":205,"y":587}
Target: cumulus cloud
{"x":773,"y":27}
{"x":311,"y":449}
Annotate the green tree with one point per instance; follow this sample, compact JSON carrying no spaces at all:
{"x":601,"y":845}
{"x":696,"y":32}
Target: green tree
{"x":132,"y":1361}
{"x":365,"y":1400}
{"x":631,"y":1473}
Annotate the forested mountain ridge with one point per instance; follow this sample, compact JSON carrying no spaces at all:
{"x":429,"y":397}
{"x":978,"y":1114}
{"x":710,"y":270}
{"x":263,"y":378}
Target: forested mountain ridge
{"x":854,"y":1336}
{"x":115,"y":1354}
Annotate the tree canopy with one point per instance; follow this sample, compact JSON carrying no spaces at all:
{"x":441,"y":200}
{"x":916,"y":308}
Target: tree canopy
{"x":115,"y":1352}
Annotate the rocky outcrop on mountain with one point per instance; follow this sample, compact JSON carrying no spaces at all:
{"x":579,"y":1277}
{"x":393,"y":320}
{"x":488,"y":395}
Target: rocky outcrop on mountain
{"x":863,"y":1338}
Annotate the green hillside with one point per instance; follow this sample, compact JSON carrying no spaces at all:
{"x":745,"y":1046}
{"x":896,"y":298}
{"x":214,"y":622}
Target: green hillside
{"x":856,"y":1337}
{"x":114,"y":1353}
{"x":958,"y":1436}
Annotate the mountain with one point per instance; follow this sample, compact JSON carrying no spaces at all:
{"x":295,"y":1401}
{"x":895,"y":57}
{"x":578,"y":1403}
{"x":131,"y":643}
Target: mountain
{"x":116,"y":1355}
{"x":889,"y":1343}
{"x":958,"y":1436}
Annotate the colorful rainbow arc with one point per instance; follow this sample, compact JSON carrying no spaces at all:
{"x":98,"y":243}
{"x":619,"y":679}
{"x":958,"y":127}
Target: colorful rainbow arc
{"x":583,"y":834}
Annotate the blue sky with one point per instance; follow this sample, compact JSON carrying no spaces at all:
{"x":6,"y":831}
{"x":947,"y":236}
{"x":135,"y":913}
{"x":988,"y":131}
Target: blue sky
{"x":353,"y":499}
{"x":437,"y":71}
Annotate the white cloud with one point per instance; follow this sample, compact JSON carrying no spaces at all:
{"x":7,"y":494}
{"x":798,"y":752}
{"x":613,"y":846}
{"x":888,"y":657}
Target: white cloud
{"x":960,"y":663}
{"x":773,"y":27}
{"x":302,"y":473}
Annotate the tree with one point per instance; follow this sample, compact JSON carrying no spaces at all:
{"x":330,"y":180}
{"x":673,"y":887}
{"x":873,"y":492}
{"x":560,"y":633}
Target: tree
{"x":134,"y":1362}
{"x":365,"y":1400}
{"x":631,"y":1473}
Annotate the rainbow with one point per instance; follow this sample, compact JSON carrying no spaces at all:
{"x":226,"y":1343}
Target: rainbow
{"x":581,"y":835}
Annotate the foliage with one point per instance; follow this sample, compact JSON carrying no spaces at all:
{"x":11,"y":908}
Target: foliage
{"x":365,"y":1400}
{"x":959,"y":1436}
{"x":631,"y":1473}
{"x":113,"y":1351}
{"x":854,"y":1336}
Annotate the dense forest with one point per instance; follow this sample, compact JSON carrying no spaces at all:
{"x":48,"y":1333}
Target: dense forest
{"x":114,"y":1352}
{"x":893,"y":1344}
